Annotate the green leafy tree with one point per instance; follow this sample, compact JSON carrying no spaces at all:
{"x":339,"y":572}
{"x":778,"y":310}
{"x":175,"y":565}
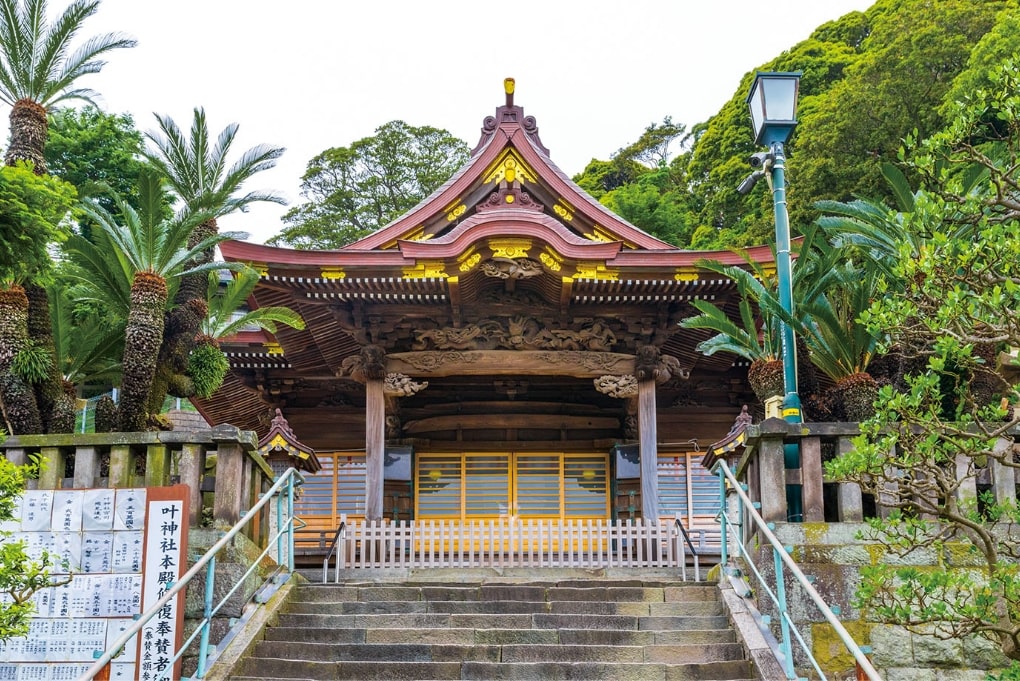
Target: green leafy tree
{"x":20,"y":575}
{"x":154,"y":249}
{"x":33,"y":211}
{"x":353,"y":191}
{"x":923,"y":449}
{"x":87,"y":147}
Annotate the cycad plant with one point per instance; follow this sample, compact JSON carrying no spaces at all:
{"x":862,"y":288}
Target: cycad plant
{"x":198,"y":174}
{"x":754,"y":338}
{"x":155,"y":250}
{"x":207,"y":365}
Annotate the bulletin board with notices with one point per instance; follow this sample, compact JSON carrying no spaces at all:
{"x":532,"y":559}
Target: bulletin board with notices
{"x":122,"y":549}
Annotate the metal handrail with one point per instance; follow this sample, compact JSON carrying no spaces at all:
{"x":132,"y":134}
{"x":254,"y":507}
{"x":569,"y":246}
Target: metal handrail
{"x":340,"y":531}
{"x":782,"y":558}
{"x":289,"y":479}
{"x":690,"y":545}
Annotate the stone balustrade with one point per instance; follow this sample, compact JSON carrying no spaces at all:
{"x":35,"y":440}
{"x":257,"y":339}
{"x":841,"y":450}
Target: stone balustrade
{"x":761,"y":464}
{"x":222,"y":467}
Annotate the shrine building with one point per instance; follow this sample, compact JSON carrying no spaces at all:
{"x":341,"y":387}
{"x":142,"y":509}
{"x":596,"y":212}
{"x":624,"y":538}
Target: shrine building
{"x":509,"y":348}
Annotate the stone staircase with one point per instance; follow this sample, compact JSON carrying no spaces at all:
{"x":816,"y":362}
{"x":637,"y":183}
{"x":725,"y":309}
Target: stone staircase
{"x":614,"y":629}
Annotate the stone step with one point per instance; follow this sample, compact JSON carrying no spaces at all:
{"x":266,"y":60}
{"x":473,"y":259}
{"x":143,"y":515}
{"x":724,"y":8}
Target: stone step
{"x":407,"y":620}
{"x":495,"y":671}
{"x":572,"y":607}
{"x":444,"y":635}
{"x":598,"y":671}
{"x":558,"y":629}
{"x":517,"y":652}
{"x":503,"y":592}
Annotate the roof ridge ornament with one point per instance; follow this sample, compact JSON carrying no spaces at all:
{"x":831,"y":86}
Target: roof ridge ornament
{"x":510,"y":114}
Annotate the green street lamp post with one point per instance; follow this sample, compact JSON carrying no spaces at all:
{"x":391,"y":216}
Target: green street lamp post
{"x":773,"y":105}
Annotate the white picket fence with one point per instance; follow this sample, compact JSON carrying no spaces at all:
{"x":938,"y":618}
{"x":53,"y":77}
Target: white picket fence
{"x":519,"y":543}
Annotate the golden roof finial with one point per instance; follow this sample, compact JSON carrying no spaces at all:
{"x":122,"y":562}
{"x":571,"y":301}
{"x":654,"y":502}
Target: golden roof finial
{"x":508,"y":87}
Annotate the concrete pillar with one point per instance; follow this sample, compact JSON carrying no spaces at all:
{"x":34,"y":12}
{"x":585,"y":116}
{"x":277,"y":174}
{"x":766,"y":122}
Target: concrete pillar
{"x":811,"y":479}
{"x":375,"y":445}
{"x":157,"y":466}
{"x":192,"y":467}
{"x":649,"y":453}
{"x":1003,"y":477}
{"x":52,"y":474}
{"x":229,"y":494}
{"x":966,"y":493}
{"x":851,"y":500}
{"x":772,"y":478}
{"x":122,"y":466}
{"x":86,"y":467}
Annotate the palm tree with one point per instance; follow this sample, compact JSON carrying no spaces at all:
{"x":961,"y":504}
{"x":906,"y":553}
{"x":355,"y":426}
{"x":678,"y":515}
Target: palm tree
{"x":155,"y":249}
{"x":38,"y":68}
{"x":198,"y":173}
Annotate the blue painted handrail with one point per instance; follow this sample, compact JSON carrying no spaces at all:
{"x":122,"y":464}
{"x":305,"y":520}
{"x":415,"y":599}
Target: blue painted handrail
{"x":282,"y":489}
{"x":781,"y":558}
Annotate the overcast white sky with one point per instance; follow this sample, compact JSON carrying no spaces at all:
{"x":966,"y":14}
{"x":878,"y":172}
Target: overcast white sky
{"x":313,"y":74}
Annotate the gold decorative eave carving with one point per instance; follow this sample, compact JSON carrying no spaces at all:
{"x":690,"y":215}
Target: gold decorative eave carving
{"x":426,"y":269}
{"x":597,"y":271}
{"x":509,"y":167}
{"x":510,"y":248}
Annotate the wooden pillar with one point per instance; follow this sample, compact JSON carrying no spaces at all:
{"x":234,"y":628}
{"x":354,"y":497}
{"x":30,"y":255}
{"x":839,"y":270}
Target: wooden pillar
{"x":851,"y":501}
{"x":1003,"y":477}
{"x":228,"y":496}
{"x":649,"y":453}
{"x":86,"y":467}
{"x":52,"y":474}
{"x":811,"y":479}
{"x":375,"y":445}
{"x":772,"y":478}
{"x":192,"y":467}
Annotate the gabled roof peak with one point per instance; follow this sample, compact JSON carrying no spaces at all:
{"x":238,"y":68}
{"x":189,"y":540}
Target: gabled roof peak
{"x":510,"y":116}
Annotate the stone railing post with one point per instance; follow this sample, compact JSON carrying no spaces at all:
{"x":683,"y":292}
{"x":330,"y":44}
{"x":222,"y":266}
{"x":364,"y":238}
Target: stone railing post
{"x":1003,"y":477}
{"x":811,"y":479}
{"x":229,"y":495}
{"x":192,"y":466}
{"x":86,"y":466}
{"x":52,"y":474}
{"x":851,"y":500}
{"x":772,"y":470}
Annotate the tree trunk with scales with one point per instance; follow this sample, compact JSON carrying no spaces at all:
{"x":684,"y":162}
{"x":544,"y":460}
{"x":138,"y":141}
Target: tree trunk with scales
{"x":28,"y":135}
{"x":183,"y":325}
{"x":142,"y":339}
{"x":21,"y":412}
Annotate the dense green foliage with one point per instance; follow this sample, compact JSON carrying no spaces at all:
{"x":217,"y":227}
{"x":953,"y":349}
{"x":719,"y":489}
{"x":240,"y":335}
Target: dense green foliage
{"x":870,"y":79}
{"x":20,"y":575}
{"x":33,"y":216}
{"x":950,"y":313}
{"x":352,"y":191}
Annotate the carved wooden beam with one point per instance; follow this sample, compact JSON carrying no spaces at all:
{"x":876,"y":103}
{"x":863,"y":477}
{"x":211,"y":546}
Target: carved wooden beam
{"x":500,"y":421}
{"x":577,"y":364}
